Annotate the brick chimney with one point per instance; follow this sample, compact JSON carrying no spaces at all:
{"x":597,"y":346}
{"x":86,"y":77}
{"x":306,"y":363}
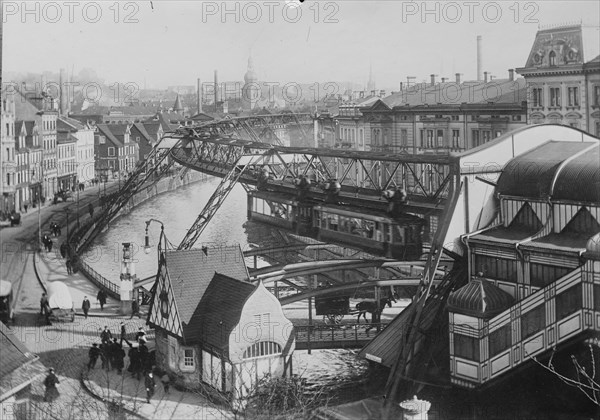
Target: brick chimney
{"x":458,"y":78}
{"x":432,"y":79}
{"x":444,"y":79}
{"x":511,"y":74}
{"x":485,"y":76}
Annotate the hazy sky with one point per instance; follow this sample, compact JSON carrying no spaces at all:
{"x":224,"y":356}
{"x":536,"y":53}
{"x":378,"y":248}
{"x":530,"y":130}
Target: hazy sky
{"x":174,"y":42}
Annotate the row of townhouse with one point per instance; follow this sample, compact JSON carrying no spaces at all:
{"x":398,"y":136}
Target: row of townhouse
{"x":44,"y":152}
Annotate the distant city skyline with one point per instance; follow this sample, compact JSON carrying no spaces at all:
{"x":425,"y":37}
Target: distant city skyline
{"x":159,"y":44}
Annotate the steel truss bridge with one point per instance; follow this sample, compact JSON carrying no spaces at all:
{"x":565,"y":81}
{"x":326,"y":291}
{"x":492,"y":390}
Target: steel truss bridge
{"x":231,"y":149}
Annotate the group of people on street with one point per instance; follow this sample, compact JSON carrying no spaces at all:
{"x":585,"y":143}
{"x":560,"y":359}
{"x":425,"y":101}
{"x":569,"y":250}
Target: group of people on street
{"x":112,"y":355}
{"x":47,"y":242}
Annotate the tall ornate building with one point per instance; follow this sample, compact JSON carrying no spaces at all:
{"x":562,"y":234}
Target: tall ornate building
{"x":562,"y":87}
{"x":251,"y":91}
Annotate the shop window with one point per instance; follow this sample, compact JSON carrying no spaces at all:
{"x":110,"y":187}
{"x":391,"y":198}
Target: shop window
{"x":533,"y":321}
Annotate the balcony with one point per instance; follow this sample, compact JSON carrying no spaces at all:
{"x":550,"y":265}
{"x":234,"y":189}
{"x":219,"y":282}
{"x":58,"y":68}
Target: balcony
{"x":524,"y":340}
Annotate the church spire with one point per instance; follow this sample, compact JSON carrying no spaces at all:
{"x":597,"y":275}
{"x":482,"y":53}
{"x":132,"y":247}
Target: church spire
{"x":371,"y":82}
{"x":178,"y":107}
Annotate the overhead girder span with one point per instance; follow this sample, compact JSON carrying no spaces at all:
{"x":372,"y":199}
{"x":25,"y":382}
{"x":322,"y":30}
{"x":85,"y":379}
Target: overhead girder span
{"x":278,"y":273}
{"x":326,"y":291}
{"x":361,"y":174}
{"x":341,"y":264}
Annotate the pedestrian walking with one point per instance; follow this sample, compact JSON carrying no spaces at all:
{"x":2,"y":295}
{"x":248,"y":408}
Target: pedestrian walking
{"x":69,"y":267}
{"x":135,"y":308}
{"x":150,"y":384}
{"x":85,"y":306}
{"x":165,"y":380}
{"x":124,"y":335}
{"x":101,"y":297}
{"x":91,"y":210}
{"x":51,"y":384}
{"x":106,"y":335}
{"x":140,"y":336}
{"x":25,"y":206}
{"x":43,"y":303}
{"x":144,"y":357}
{"x":93,"y":354}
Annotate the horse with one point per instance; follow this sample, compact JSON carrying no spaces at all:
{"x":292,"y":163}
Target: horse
{"x":371,"y":307}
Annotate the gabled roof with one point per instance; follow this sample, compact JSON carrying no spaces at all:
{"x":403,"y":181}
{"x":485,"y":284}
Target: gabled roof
{"x":19,"y":366}
{"x":140,"y":127}
{"x":65,"y":137}
{"x":105,"y":129}
{"x":191,"y":271}
{"x":119,"y":129}
{"x":218,"y":312}
{"x":152,"y":128}
{"x":201,"y":116}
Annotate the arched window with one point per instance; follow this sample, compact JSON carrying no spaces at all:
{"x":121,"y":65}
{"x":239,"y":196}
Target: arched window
{"x":262,"y":348}
{"x":552,"y":58}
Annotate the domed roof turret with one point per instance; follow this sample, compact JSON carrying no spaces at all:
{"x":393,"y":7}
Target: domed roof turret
{"x":479,"y":298}
{"x":592,"y":248}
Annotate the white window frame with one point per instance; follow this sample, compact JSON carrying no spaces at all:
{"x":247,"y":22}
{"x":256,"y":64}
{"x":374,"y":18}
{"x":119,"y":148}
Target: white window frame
{"x":110,"y":151}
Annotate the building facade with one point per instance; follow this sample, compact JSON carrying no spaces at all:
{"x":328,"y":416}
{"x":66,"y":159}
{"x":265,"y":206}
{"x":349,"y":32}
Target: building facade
{"x":562,"y":87}
{"x":66,"y":152}
{"x":43,"y":110}
{"x":84,"y":134}
{"x":115,"y":152}
{"x":8,"y":158}
{"x":445,"y":117}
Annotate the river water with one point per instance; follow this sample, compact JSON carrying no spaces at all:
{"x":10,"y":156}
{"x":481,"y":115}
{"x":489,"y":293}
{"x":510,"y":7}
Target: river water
{"x":338,"y":371}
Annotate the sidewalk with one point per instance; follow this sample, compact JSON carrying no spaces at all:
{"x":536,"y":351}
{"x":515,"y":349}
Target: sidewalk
{"x":51,"y":267}
{"x":131,"y":393}
{"x":109,"y":386}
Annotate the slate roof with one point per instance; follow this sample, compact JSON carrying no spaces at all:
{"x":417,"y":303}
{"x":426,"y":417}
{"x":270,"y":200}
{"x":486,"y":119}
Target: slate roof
{"x":105,"y":130}
{"x":151,"y":128}
{"x":498,"y":91}
{"x":140,"y":127}
{"x":218,"y":312}
{"x":71,"y":124}
{"x":191,"y":271}
{"x":19,"y":366}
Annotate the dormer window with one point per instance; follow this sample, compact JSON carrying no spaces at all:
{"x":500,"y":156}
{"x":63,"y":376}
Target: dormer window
{"x":552,"y":58}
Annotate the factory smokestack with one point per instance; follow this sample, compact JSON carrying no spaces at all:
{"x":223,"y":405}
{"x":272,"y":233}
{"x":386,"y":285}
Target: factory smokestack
{"x":216,"y":88}
{"x":199,"y":96}
{"x":479,"y":58}
{"x":62,"y":100}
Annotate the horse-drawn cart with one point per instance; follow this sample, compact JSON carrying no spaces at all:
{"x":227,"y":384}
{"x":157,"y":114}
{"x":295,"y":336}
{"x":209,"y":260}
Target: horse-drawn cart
{"x":60,"y":302}
{"x":332,"y":309}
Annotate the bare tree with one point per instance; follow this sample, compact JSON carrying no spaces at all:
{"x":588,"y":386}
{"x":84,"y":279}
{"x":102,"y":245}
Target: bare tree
{"x":584,"y":377}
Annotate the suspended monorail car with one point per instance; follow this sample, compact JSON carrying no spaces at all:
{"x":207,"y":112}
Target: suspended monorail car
{"x":398,"y":237}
